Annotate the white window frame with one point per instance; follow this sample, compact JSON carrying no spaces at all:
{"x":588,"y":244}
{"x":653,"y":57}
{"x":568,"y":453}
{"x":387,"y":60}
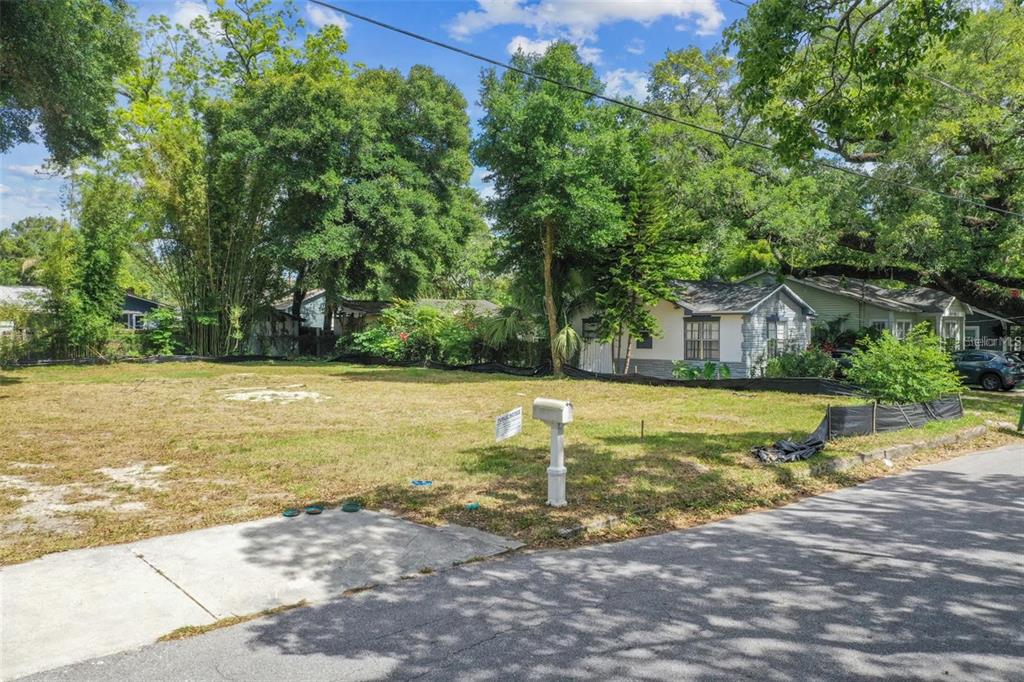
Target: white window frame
{"x":704,"y":340}
{"x":976,"y":338}
{"x":901,"y":328}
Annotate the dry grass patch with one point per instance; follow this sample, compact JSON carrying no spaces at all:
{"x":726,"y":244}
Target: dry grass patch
{"x":163,"y":451}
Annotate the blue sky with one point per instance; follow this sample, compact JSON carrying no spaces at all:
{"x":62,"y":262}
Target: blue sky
{"x":621,"y":38}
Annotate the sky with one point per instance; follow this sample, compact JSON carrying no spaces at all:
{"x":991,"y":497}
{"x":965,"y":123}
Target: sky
{"x":620,"y":38}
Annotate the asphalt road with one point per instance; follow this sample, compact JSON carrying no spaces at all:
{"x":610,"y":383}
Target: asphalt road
{"x":919,"y":576}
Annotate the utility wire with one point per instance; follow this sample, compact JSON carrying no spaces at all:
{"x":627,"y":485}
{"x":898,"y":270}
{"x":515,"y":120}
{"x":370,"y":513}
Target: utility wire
{"x":643,"y":110}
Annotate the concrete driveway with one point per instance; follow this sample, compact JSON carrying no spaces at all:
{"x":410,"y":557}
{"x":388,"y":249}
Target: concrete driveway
{"x":919,"y":576}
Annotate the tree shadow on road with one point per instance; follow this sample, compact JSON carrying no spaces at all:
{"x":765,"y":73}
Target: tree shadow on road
{"x":912,"y":576}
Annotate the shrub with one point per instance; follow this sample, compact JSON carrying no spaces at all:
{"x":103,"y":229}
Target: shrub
{"x":162,"y":337}
{"x":916,"y":369}
{"x":710,"y":370}
{"x":406,"y":332}
{"x":813,"y":362}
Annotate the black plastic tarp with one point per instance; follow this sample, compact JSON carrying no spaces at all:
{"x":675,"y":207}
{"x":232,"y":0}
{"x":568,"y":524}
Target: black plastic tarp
{"x":861,"y":420}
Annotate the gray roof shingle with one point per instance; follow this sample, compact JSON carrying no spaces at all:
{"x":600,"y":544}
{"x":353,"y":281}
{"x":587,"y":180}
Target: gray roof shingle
{"x":710,"y":297}
{"x":910,"y":299}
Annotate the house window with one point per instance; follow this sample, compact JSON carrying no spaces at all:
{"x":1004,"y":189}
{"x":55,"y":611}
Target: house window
{"x":590,"y":326}
{"x":902,"y":329}
{"x":133,"y":320}
{"x":951,"y":333}
{"x":776,"y":333}
{"x":645,"y":342}
{"x":880,"y":324}
{"x":6,"y":327}
{"x":702,"y":339}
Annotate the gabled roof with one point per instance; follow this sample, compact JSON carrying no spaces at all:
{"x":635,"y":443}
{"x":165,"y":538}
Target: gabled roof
{"x":365,"y":307}
{"x":729,"y":298}
{"x":908,"y":300}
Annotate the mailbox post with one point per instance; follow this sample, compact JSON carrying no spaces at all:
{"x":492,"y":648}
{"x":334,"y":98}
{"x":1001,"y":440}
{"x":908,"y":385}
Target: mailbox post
{"x":556,"y":414}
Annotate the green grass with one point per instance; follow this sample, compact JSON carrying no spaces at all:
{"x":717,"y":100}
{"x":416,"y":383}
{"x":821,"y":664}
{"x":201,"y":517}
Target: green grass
{"x":374,"y":431}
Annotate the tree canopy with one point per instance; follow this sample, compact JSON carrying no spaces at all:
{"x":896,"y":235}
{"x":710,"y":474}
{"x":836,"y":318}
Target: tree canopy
{"x":59,"y":63}
{"x":560,"y":162}
{"x":915,"y":93}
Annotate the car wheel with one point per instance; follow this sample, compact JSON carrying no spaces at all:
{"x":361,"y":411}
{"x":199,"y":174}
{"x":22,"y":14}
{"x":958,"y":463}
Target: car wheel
{"x":991,"y":382}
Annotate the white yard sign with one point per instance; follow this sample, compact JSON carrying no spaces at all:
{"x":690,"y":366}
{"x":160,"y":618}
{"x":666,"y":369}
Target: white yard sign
{"x":508,"y":424}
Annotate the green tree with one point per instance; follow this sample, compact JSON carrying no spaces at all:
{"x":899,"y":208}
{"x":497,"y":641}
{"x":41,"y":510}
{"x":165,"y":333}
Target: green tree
{"x":58,"y":272}
{"x":636,"y":272}
{"x":917,"y":92}
{"x":59,"y":63}
{"x":729,"y":200}
{"x":207,"y":183}
{"x":22,"y":247}
{"x":108,"y":225}
{"x":559,"y":162}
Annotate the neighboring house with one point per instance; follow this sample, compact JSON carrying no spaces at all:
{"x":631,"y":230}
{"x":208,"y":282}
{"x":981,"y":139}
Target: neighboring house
{"x":739,"y":325}
{"x":860,"y":304}
{"x":274,"y":332}
{"x":988,"y":331}
{"x":16,"y":301}
{"x":134,"y":311}
{"x":354,"y":315}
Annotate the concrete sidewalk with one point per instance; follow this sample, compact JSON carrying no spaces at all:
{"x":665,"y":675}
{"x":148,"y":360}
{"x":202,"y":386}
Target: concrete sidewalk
{"x":72,"y":606}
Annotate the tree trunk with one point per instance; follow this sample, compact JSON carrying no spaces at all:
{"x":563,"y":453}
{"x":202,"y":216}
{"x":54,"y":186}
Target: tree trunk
{"x":330,"y":297}
{"x":298,"y":292}
{"x":549,"y":293}
{"x":629,"y":354}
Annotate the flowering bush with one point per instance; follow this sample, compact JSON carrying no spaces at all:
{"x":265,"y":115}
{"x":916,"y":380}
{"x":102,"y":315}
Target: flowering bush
{"x":407,"y":332}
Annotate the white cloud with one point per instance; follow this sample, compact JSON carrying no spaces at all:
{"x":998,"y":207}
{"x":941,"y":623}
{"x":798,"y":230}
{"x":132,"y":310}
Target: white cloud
{"x":480,"y":183}
{"x":636,"y":46}
{"x":624,"y":83}
{"x":187,"y":10}
{"x":527,"y":46}
{"x":581,"y":19}
{"x":589,"y":54}
{"x":25,"y":171}
{"x":320,"y":16}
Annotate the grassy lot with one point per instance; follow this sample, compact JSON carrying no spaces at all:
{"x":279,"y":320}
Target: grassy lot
{"x":98,"y":455}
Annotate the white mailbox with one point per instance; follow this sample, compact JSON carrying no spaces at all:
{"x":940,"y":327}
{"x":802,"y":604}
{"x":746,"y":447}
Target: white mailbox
{"x":556,"y":414}
{"x":552,"y":411}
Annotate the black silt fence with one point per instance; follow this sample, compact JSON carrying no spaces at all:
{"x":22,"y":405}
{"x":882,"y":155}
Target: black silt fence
{"x":861,"y":420}
{"x":806,"y":386}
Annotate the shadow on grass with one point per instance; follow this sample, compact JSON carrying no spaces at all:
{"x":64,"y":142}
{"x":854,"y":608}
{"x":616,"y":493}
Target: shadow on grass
{"x":8,"y":380}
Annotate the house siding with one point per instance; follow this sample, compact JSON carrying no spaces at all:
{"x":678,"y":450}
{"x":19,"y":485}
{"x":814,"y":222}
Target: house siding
{"x":830,"y":306}
{"x":742,"y":340}
{"x":755,"y":331}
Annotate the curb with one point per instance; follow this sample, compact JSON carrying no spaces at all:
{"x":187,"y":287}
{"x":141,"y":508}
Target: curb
{"x":895,"y":451}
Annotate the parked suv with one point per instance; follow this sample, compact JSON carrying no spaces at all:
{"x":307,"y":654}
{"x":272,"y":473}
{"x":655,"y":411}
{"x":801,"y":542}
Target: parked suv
{"x":992,"y":369}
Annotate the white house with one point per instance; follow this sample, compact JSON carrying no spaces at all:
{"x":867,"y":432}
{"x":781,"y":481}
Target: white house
{"x":739,"y":325}
{"x":17,"y":300}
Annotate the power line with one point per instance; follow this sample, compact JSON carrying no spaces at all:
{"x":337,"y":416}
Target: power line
{"x":629,"y":105}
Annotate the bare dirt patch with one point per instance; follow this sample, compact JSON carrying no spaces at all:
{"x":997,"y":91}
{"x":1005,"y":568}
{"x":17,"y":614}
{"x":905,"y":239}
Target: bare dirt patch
{"x":138,"y":475}
{"x":274,"y":396}
{"x":51,"y":508}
